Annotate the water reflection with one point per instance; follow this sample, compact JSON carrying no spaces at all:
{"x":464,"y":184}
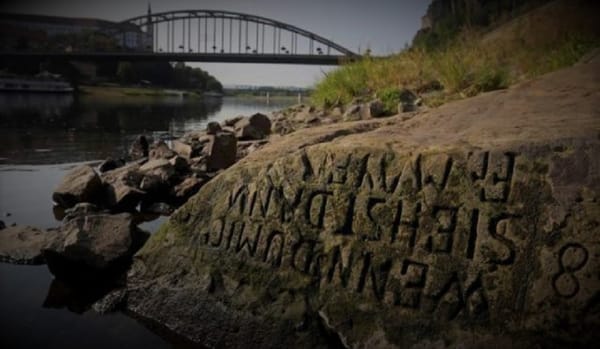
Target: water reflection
{"x":32,"y":315}
{"x":38,"y":130}
{"x":44,"y":129}
{"x":77,"y":299}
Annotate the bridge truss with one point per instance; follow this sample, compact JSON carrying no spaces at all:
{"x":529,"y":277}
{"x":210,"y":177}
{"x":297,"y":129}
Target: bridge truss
{"x":231,"y":34}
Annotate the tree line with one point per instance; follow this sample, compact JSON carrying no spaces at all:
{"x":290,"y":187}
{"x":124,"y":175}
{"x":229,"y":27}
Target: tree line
{"x":165,"y":74}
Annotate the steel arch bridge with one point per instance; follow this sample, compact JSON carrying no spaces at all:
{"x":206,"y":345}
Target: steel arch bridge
{"x":225,"y":36}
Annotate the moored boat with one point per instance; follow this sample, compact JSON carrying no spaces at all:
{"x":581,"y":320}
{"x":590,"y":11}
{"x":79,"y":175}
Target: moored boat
{"x":44,"y":82}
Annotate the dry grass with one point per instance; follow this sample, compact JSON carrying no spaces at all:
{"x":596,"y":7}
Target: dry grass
{"x":474,"y":62}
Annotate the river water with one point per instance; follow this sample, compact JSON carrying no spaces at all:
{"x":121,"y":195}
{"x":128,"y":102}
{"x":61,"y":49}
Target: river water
{"x":42,"y":137}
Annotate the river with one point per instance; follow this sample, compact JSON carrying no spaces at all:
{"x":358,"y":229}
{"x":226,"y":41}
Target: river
{"x":42,"y":137}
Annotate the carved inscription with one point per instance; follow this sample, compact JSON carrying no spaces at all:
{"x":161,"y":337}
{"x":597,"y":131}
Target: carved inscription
{"x":495,"y":173}
{"x":572,"y":257}
{"x":401,"y":231}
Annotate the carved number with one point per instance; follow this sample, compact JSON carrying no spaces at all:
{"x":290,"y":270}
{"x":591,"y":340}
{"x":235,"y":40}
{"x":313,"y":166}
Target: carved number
{"x":571,"y":258}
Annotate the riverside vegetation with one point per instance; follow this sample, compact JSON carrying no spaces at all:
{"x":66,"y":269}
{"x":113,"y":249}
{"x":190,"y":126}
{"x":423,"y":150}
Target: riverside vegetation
{"x":456,"y":59}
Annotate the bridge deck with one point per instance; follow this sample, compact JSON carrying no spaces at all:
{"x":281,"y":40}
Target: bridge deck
{"x":185,"y":57}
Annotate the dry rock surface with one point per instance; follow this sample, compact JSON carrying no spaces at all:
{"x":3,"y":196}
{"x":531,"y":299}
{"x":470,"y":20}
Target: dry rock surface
{"x":22,"y":245}
{"x":472,"y":225}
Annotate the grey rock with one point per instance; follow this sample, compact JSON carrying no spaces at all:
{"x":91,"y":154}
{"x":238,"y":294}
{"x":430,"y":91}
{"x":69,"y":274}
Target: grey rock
{"x":221,"y":151}
{"x":352,"y":113}
{"x":159,"y":167}
{"x":187,"y":150}
{"x":231,"y":122}
{"x":23,"y":245}
{"x":188,"y":187}
{"x":160,"y":208}
{"x":111,"y":302}
{"x":180,"y":164}
{"x":152,"y":183}
{"x":160,"y":150}
{"x":213,"y":127}
{"x":373,"y":109}
{"x":257,"y":126}
{"x":80,"y":210}
{"x":408,"y":101}
{"x":110,"y":164}
{"x":81,"y":184}
{"x":93,"y":245}
{"x":139,"y":148}
{"x":159,"y":175}
{"x":122,"y":191}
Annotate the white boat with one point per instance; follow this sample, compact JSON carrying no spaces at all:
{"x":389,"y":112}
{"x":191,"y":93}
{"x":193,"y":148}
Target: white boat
{"x":40,"y":83}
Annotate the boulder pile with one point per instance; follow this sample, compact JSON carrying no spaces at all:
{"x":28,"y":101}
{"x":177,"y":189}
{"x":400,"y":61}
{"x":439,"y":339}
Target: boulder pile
{"x":161,"y":174}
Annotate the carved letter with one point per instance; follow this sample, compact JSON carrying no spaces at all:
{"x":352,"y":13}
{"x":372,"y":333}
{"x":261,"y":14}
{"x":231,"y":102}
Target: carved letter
{"x":495,"y":223}
{"x":274,"y":248}
{"x":379,"y":276}
{"x":443,"y":240}
{"x":337,"y":265}
{"x":244,"y":241}
{"x":302,"y":255}
{"x":414,"y":276}
{"x":309,"y":212}
{"x":406,"y":223}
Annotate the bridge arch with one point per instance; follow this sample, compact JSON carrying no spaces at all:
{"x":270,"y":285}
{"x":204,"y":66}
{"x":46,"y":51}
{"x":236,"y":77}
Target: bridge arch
{"x":251,"y":34}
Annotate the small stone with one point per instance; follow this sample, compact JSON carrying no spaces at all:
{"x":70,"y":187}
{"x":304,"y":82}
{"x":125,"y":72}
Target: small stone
{"x":110,"y":164}
{"x":352,"y":113}
{"x":186,"y":188}
{"x":80,"y":210}
{"x":231,"y":122}
{"x":373,"y":109}
{"x":160,"y":150}
{"x":213,"y":127}
{"x":160,"y":208}
{"x":139,"y":148}
{"x":159,"y":167}
{"x":179,"y":163}
{"x":111,"y":302}
{"x":257,"y":126}
{"x":186,"y":150}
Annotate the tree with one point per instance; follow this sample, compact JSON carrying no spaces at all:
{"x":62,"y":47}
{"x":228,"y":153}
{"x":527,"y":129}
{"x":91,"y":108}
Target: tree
{"x":125,"y":73}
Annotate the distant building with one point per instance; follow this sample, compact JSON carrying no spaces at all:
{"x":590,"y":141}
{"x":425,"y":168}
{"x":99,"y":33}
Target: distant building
{"x":24,"y":31}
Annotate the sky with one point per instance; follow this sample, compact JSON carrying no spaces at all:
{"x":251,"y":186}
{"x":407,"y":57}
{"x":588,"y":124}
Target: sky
{"x":383,"y":26}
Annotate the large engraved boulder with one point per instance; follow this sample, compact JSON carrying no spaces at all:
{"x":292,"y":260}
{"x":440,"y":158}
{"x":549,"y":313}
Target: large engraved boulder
{"x":473,"y":225}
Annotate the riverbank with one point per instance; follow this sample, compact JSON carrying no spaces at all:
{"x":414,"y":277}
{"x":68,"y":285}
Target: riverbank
{"x":121,"y":91}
